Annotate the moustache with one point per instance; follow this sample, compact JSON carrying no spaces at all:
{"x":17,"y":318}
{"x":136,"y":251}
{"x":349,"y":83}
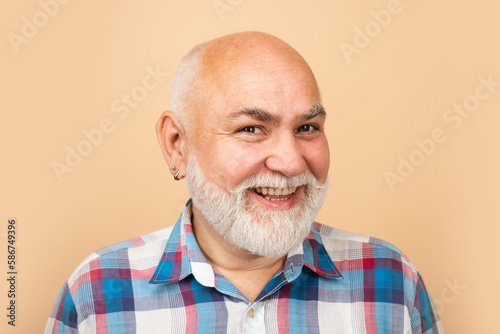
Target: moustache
{"x":278,"y":181}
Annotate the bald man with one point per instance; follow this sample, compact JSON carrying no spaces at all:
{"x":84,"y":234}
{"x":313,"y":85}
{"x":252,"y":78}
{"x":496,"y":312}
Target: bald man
{"x":246,"y":129}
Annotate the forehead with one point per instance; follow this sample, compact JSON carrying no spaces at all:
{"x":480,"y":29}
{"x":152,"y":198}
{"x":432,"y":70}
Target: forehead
{"x":282,"y":86}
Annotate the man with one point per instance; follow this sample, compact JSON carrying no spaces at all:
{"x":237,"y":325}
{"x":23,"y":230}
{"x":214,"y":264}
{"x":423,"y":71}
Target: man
{"x":246,"y":131}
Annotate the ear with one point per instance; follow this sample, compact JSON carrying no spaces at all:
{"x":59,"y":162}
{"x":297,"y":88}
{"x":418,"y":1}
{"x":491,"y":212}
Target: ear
{"x":172,"y":140}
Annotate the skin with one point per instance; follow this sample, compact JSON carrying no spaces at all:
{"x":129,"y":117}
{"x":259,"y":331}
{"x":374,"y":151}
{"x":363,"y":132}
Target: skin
{"x":257,"y":117}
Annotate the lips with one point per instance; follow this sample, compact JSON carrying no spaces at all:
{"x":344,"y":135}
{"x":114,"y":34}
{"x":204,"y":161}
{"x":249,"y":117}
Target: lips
{"x":275,"y":194}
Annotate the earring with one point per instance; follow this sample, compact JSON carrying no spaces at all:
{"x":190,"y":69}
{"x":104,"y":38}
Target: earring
{"x":176,"y":176}
{"x":173,"y":167}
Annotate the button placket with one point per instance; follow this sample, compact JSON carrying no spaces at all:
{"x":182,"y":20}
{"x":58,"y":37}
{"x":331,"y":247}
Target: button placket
{"x":254,"y":319}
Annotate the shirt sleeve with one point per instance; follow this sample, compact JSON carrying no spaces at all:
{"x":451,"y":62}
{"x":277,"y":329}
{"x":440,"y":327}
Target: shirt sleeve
{"x":424,"y":317}
{"x":63,"y":317}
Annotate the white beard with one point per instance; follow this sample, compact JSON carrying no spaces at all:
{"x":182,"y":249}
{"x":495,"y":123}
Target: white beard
{"x":269,"y":233}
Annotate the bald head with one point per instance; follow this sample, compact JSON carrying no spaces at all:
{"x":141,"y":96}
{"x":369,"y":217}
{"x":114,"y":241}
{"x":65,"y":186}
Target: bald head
{"x":224,"y":54}
{"x":209,"y":67}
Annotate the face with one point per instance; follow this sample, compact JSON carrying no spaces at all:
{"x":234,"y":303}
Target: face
{"x":261,"y":147}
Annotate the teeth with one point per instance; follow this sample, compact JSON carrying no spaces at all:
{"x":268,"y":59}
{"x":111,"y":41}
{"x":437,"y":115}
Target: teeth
{"x":276,"y":191}
{"x":277,"y":199}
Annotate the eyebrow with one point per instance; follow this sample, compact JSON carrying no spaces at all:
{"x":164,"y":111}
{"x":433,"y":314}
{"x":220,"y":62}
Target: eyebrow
{"x":265,"y":116}
{"x":317,"y":110}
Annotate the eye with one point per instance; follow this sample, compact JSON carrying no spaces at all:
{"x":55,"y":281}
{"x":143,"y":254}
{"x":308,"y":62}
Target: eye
{"x":307,"y":128}
{"x":249,"y":129}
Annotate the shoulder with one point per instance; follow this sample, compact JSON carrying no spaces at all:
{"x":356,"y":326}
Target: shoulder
{"x":382,"y":272}
{"x":345,"y":246}
{"x":136,"y":254}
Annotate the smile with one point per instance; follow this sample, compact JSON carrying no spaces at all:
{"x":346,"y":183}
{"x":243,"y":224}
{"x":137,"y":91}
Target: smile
{"x":276,"y":194}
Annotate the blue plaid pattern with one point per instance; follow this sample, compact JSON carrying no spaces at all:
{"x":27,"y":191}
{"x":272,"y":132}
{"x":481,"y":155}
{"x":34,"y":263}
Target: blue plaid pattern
{"x":335,"y":282}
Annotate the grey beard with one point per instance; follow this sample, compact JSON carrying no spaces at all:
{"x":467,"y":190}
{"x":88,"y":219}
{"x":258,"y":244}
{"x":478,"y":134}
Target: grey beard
{"x":269,"y":233}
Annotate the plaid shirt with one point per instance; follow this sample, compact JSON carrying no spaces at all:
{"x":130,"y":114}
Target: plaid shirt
{"x":336,"y":282}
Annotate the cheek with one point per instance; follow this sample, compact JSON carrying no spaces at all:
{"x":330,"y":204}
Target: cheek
{"x":229,"y":165}
{"x":318,"y":159}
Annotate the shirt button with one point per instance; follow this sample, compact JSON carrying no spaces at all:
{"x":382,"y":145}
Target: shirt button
{"x":251,"y":313}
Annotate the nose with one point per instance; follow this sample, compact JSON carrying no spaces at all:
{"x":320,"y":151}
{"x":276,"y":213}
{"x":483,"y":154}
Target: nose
{"x":285,"y":156}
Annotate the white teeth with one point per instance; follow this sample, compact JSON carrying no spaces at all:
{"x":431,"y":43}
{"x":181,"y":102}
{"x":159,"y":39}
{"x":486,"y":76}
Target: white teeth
{"x":276,"y":191}
{"x":277,"y":199}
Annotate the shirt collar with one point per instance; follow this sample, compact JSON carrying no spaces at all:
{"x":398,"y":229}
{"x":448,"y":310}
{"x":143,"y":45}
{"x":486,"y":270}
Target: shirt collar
{"x":182,"y":256}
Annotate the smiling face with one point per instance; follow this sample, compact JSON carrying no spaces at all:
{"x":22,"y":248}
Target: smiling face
{"x":261,"y":126}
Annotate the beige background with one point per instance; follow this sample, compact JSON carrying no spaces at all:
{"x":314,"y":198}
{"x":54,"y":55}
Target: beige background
{"x":65,"y":77}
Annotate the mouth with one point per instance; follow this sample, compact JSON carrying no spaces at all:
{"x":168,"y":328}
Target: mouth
{"x":275,"y":194}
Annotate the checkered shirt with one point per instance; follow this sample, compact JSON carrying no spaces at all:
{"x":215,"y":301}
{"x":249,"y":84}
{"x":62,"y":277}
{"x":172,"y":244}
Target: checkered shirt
{"x":335,"y":282}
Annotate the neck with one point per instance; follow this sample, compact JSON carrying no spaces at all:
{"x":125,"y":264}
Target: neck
{"x":248,"y":272}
